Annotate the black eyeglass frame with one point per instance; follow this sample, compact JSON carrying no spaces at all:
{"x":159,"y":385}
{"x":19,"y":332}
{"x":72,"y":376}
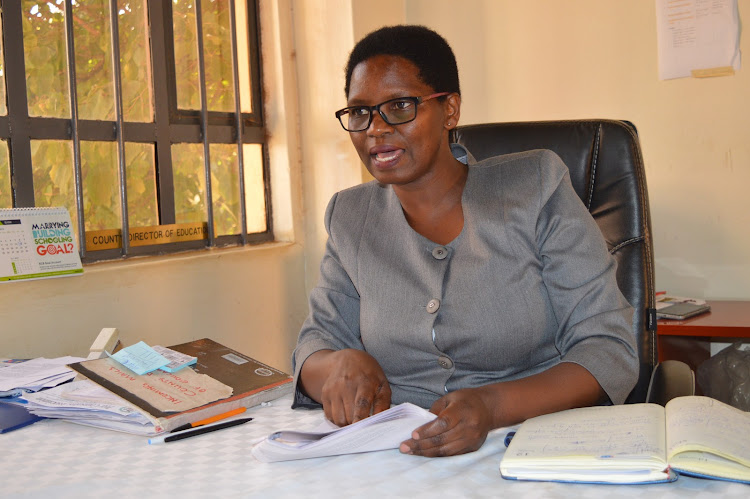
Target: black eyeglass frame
{"x":416,"y":100}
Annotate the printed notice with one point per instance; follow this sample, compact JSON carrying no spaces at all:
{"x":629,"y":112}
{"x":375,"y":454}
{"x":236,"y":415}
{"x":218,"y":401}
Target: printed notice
{"x":697,"y":38}
{"x":36,"y":243}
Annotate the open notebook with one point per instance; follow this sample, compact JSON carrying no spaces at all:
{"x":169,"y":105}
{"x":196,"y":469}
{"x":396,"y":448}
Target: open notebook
{"x":638,"y":443}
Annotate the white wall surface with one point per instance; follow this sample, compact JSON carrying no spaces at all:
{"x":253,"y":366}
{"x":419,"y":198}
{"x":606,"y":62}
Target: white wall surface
{"x":251,"y":300}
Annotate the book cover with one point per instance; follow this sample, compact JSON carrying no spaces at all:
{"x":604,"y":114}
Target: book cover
{"x":37,"y":243}
{"x":233,"y":380}
{"x":15,"y":416}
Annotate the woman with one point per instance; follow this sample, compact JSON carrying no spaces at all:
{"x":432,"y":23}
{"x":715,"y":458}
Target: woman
{"x":483,"y":292}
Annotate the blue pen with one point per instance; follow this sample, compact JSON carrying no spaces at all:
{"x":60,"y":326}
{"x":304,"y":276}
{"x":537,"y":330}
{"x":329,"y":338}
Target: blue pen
{"x":509,"y":437}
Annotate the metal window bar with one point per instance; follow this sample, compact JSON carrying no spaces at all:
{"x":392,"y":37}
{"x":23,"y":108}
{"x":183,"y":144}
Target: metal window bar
{"x":74,"y":124}
{"x":162,"y":59}
{"x":115,"y":31}
{"x":238,"y":118}
{"x":204,"y":122}
{"x":22,"y":178}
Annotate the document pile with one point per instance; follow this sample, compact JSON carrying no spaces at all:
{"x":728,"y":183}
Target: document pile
{"x":35,"y":374}
{"x":87,"y":403}
{"x":116,"y":397}
{"x":381,"y":431}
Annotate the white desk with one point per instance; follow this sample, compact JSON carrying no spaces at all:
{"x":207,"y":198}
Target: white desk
{"x":58,"y":459}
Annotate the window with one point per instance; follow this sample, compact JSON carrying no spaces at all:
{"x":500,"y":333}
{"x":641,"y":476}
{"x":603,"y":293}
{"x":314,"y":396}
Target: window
{"x":127,"y":113}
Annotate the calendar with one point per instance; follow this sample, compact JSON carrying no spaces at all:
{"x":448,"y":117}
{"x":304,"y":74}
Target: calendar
{"x":37,"y":243}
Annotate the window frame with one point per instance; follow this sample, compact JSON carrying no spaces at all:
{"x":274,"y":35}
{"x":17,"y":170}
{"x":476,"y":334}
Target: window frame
{"x":170,"y":125}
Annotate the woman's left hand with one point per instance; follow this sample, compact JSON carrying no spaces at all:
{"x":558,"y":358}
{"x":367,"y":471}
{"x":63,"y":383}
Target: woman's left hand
{"x":464,"y":417}
{"x":462,"y":423}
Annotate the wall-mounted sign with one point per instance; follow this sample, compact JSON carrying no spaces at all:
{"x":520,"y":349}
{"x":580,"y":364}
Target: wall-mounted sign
{"x":97,"y":240}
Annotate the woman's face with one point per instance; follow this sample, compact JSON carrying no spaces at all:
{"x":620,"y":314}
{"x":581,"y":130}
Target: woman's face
{"x":406,"y":153}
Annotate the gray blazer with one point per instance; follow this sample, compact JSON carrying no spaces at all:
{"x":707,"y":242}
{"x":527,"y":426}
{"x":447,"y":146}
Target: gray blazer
{"x":527,"y":284}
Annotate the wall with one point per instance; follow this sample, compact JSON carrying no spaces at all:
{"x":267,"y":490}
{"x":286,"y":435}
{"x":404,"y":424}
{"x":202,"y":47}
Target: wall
{"x":249,"y":299}
{"x":543,"y":60}
{"x":323,"y":39}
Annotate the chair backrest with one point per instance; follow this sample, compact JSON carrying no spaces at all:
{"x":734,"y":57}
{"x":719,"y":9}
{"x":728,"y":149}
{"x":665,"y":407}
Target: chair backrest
{"x":606,"y":168}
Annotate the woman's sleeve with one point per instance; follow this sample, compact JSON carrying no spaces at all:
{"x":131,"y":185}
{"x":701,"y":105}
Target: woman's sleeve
{"x":333,"y":321}
{"x":595,"y":320}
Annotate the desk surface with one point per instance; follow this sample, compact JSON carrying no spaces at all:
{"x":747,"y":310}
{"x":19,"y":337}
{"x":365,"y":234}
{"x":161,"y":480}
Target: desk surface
{"x":727,"y":319}
{"x":58,"y":459}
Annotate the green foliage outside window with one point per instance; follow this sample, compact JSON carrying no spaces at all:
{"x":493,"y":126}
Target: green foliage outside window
{"x":226,"y":188}
{"x":101,"y":185}
{"x":189,"y":183}
{"x":45,"y":58}
{"x":218,"y":60}
{"x":142,"y":205}
{"x":94,"y":77}
{"x":135,"y":62}
{"x":6,"y":197}
{"x":54,"y":183}
{"x":190,"y":191}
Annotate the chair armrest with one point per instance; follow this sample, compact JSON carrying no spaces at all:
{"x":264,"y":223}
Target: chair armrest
{"x":670,"y":379}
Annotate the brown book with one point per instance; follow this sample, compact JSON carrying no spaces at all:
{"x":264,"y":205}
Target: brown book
{"x":222,"y":380}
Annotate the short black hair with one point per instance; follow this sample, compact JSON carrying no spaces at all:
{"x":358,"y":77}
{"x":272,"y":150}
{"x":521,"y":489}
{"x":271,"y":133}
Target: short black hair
{"x":422,"y":46}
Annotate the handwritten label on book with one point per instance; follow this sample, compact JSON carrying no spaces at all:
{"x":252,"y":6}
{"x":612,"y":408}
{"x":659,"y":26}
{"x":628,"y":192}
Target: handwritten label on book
{"x":168,"y":392}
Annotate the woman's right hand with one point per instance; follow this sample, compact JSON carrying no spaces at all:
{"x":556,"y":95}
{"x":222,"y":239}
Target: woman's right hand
{"x":349,"y":383}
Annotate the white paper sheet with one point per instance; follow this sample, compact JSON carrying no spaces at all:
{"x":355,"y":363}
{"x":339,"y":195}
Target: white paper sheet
{"x":37,"y":373}
{"x":697,"y":35}
{"x":384,"y":430}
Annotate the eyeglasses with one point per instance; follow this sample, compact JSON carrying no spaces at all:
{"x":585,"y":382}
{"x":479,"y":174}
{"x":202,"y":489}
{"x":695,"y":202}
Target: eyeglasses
{"x":394,"y":112}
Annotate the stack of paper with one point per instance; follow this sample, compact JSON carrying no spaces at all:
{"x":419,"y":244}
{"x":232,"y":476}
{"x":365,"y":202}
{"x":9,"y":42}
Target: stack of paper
{"x":384,"y":430}
{"x":35,"y":374}
{"x":87,"y":403}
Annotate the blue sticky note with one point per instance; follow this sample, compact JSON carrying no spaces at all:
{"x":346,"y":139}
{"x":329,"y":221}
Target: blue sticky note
{"x":140,"y":358}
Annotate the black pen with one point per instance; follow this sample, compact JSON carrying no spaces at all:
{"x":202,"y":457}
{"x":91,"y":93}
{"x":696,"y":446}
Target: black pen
{"x":171,"y":437}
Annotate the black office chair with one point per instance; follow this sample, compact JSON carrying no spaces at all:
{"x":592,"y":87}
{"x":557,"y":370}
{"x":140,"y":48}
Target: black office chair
{"x":606,"y":169}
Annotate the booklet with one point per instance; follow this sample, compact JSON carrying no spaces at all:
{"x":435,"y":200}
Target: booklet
{"x":37,"y":243}
{"x":381,"y":431}
{"x":633,"y":443}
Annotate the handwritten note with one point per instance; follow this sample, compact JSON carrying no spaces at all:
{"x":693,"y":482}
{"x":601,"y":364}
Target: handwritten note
{"x":700,"y":423}
{"x":598,"y":432}
{"x":697,"y":35}
{"x":140,"y":358}
{"x":177,"y":360}
{"x":167,"y":392}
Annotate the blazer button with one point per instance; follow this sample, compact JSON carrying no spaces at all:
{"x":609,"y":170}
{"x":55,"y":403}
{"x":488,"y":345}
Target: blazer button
{"x":433,"y":305}
{"x":440,"y":252}
{"x":445,"y":362}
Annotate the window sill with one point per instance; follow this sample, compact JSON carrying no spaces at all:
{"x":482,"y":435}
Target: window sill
{"x":186,"y":256}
